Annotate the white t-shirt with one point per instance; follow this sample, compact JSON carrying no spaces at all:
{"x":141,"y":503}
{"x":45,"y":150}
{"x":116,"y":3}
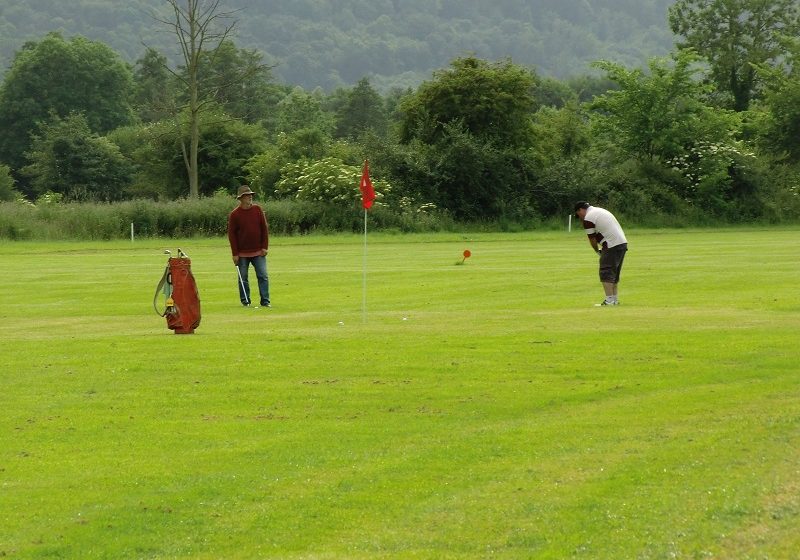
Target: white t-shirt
{"x":603,"y":224}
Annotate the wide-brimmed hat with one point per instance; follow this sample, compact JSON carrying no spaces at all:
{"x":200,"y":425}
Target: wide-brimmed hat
{"x":243,"y":191}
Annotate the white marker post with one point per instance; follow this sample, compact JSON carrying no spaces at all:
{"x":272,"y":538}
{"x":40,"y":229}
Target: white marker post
{"x":569,"y":223}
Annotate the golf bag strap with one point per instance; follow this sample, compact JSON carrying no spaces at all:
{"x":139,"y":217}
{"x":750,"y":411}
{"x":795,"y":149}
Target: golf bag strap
{"x":161,"y":283}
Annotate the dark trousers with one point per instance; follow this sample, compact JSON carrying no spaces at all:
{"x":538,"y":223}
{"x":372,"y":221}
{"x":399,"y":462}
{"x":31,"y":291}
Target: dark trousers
{"x":611,"y":263}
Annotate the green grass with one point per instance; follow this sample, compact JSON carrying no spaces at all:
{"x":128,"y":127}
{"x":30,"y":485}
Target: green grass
{"x":480,"y":411}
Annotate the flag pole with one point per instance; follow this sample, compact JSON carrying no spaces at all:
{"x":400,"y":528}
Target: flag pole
{"x":367,"y":197}
{"x":364,"y":288}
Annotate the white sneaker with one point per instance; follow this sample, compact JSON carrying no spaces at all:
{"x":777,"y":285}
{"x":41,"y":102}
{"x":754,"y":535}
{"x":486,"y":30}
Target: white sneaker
{"x":606,"y":302}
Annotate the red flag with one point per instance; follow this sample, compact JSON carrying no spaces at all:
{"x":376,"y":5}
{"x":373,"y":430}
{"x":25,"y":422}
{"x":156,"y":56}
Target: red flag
{"x":367,"y":192}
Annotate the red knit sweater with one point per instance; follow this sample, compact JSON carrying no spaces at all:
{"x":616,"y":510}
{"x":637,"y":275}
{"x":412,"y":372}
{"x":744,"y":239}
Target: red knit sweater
{"x":248,"y":232}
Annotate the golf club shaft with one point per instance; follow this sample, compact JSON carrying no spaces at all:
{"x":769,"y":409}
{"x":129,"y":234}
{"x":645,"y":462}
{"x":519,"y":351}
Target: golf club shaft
{"x":241,"y":281}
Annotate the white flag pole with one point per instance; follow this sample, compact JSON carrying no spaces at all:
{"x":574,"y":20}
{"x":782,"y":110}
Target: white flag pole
{"x":364,"y":289}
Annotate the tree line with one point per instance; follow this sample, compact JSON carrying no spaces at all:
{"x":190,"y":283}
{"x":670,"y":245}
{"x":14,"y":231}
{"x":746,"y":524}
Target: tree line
{"x":709,"y":132}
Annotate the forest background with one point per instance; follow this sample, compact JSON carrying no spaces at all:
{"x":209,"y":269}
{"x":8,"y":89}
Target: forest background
{"x":504,"y":113}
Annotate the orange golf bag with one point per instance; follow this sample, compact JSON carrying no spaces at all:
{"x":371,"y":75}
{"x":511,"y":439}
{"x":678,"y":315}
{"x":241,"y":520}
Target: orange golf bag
{"x":182,"y":300}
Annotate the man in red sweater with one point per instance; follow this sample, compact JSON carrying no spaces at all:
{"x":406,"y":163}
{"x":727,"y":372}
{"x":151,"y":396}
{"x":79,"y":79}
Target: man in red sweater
{"x":248,"y":234}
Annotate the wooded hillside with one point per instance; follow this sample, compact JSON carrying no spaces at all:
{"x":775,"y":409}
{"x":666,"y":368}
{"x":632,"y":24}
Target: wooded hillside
{"x":331,"y":43}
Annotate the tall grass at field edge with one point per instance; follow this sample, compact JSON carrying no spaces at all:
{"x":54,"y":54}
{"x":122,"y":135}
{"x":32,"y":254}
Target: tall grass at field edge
{"x":207,"y":217}
{"x":192,"y":218}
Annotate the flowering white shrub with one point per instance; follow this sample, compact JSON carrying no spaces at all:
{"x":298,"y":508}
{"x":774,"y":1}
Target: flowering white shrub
{"x":409,"y":206}
{"x":325,"y":180}
{"x":707,"y":165}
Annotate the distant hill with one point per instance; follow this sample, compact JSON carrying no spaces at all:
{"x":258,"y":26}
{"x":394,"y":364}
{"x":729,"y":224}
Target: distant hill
{"x":330,"y":43}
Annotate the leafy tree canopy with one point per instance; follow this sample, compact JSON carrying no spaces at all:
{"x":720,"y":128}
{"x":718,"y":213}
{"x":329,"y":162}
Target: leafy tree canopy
{"x":663,"y":120}
{"x":238,"y":81}
{"x":493,"y":101}
{"x":154,"y":96}
{"x":56,"y":76}
{"x":779,"y":113}
{"x":362,"y":110}
{"x":736,"y":35}
{"x":659,"y":113}
{"x":226,"y":145}
{"x":69,"y":159}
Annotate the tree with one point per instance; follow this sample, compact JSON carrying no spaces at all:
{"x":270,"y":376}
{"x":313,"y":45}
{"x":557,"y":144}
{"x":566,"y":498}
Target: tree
{"x":58,"y":76}
{"x":657,"y":115}
{"x":478,"y":179}
{"x":587,"y":87}
{"x":7,"y":190}
{"x":661,"y":121}
{"x":560,"y":133}
{"x":153,"y":151}
{"x":472,"y":127}
{"x":68,"y":158}
{"x":226,"y":145}
{"x":154,"y":91}
{"x":301,"y":110}
{"x":780,"y":115}
{"x":362,"y":110}
{"x":199,"y":26}
{"x":264,"y":169}
{"x":550,"y":92}
{"x":238,"y":81}
{"x":736,"y":35}
{"x":494,"y":101}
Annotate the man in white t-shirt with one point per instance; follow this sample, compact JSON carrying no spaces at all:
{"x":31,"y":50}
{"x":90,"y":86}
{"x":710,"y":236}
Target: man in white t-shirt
{"x":608,"y":240}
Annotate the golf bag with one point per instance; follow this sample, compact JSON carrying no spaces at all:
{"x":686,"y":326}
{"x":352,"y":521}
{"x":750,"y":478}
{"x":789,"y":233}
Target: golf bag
{"x":182,"y":300}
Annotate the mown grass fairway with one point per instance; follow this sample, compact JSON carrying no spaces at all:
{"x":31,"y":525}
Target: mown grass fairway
{"x":481,"y":411}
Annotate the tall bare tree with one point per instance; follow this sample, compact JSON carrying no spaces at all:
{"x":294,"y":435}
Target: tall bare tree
{"x":200,"y":27}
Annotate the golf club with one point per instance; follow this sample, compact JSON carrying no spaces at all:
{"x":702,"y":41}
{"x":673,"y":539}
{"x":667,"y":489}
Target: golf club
{"x":244,"y":291}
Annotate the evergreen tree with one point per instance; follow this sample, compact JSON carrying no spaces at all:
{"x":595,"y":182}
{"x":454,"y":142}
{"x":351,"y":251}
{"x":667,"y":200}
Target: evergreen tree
{"x":363,"y":110}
